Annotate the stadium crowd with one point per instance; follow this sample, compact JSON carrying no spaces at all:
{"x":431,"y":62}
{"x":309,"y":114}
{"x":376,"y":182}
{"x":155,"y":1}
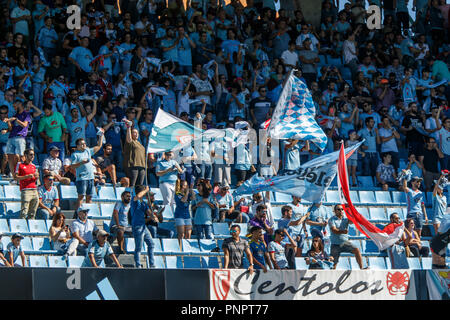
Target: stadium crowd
{"x":81,"y":103}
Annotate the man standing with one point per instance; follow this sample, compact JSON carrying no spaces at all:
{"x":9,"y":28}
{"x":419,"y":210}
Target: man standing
{"x":234,"y":248}
{"x":369,"y":134}
{"x":48,"y":199}
{"x":52,"y":128}
{"x":27,"y":175}
{"x":388,"y":136}
{"x":119,"y":220}
{"x":138,"y":212}
{"x":21,"y":18}
{"x":309,"y":58}
{"x":339,"y":237}
{"x":415,"y":205}
{"x":82,"y":163}
{"x":429,"y":160}
{"x":260,"y":108}
{"x":444,"y":142}
{"x":18,"y":130}
{"x":81,"y":58}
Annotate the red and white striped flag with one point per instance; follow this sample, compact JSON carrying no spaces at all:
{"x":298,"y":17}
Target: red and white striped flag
{"x":383,"y":239}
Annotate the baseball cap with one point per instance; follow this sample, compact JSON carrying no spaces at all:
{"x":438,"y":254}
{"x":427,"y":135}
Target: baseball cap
{"x":416,"y":178}
{"x":52,"y":148}
{"x":102,"y":233}
{"x":384,"y":81}
{"x":80,"y":209}
{"x":17,"y":235}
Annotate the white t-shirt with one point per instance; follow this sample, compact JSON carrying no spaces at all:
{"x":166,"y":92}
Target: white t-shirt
{"x":348,"y":47}
{"x":444,"y":136}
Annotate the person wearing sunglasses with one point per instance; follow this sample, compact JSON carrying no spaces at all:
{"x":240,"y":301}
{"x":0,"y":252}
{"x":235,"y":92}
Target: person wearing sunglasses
{"x":339,"y":237}
{"x":234,"y":248}
{"x":277,"y":249}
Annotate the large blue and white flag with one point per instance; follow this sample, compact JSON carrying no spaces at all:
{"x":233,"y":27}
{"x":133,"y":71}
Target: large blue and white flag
{"x":309,"y":182}
{"x":294,"y":115}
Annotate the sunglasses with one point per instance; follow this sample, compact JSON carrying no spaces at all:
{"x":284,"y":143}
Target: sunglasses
{"x":233,"y":231}
{"x":339,"y":209}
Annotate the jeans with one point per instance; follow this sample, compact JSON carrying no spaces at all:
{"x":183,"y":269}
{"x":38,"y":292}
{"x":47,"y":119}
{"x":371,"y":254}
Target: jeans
{"x":206,"y":171}
{"x":44,"y":214}
{"x":163,"y":233}
{"x":370,"y":163}
{"x":38,"y":94}
{"x":136,"y":175}
{"x":204,"y":230}
{"x":141,"y":234}
{"x":188,"y":175}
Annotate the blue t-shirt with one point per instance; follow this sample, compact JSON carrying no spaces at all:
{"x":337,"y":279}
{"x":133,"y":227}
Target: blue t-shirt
{"x":171,"y":54}
{"x":138,"y":210}
{"x":122,"y":210}
{"x":280,"y":256}
{"x":258,"y":250}
{"x":439,"y":207}
{"x":170,"y":177}
{"x":83,"y":56}
{"x":15,"y":251}
{"x":22,"y":25}
{"x":182,"y":208}
{"x":48,"y":197}
{"x":230,"y":46}
{"x":340,"y":224}
{"x":291,"y":157}
{"x":85,"y":171}
{"x":98,"y":251}
{"x":227,"y":200}
{"x":317,"y":214}
{"x":414,"y":201}
{"x":184,"y":52}
{"x":203,"y":212}
{"x":77,"y":130}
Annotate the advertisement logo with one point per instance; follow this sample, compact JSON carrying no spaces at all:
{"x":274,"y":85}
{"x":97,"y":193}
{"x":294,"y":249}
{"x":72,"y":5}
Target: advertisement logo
{"x":397,"y":283}
{"x":106,"y":292}
{"x":183,"y":136}
{"x":221,"y":283}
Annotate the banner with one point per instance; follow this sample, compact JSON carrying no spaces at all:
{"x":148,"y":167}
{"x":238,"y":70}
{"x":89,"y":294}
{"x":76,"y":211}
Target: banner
{"x":235,"y":284}
{"x":438,"y":283}
{"x":294,"y":114}
{"x":309,"y":182}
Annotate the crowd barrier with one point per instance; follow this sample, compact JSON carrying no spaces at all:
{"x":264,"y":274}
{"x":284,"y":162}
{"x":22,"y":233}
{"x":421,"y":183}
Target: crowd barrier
{"x":220,"y":284}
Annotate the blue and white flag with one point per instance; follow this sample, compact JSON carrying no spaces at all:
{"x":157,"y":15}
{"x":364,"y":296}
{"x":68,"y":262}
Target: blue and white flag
{"x":10,"y":83}
{"x":294,"y":115}
{"x":27,"y":85}
{"x":309,"y":182}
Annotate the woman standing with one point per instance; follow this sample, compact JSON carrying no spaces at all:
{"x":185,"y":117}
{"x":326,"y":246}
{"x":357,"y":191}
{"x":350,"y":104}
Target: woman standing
{"x":167,"y":170}
{"x":203,"y":206}
{"x":183,"y":197}
{"x":439,"y":203}
{"x":134,"y":156}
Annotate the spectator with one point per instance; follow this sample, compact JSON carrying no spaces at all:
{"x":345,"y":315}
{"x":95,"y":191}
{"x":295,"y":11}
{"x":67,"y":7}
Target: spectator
{"x":3,"y":261}
{"x":225,"y":205}
{"x":77,"y":126}
{"x":153,"y":224}
{"x":139,"y":211}
{"x":411,"y":125}
{"x":444,"y":142}
{"x":261,"y":220}
{"x":202,"y":207}
{"x":415,"y":203}
{"x":439,"y":244}
{"x":106,"y":163}
{"x":14,"y":250}
{"x":60,"y":233}
{"x":429,"y":161}
{"x":21,"y":18}
{"x":82,"y":163}
{"x":220,"y":152}
{"x":439,"y":202}
{"x":317,"y":258}
{"x":119,"y":224}
{"x":166,"y":170}
{"x":48,"y":199}
{"x":415,"y":166}
{"x":433,"y":124}
{"x":277,"y":251}
{"x":370,"y":160}
{"x":317,"y":219}
{"x":260,"y":108}
{"x":18,"y":129}
{"x":387,"y":137}
{"x":3,"y":138}
{"x":386,"y":175}
{"x":258,"y":249}
{"x":27,"y":175}
{"x":385,"y":96}
{"x":97,"y":251}
{"x":83,"y":232}
{"x":339,"y":237}
{"x":234,"y":248}
{"x":52,"y":165}
{"x":183,"y":197}
{"x":413,"y":242}
{"x":352,"y":161}
{"x":295,"y":228}
{"x":308,"y":58}
{"x":397,"y":253}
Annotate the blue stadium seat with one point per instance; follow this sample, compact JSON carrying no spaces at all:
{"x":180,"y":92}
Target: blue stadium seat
{"x":119,"y":191}
{"x":383,"y":197}
{"x":37,"y":227}
{"x":168,"y":213}
{"x":43,"y":245}
{"x":363,"y":211}
{"x":19,"y":226}
{"x":398,"y":198}
{"x":206,"y":245}
{"x":377,"y":214}
{"x":174,"y":262}
{"x":276,"y":213}
{"x":426,"y":263}
{"x":377,"y":263}
{"x":282,"y":198}
{"x":158,"y":195}
{"x":366,"y":197}
{"x":392,"y":210}
{"x":244,"y":229}
{"x":170,"y":246}
{"x":106,"y":193}
{"x":38,"y":262}
{"x":130,"y":246}
{"x":168,"y":225}
{"x":5,"y":241}
{"x":12,"y":193}
{"x":403,"y":214}
{"x":210,"y":262}
{"x":323,"y":60}
{"x":429,"y":199}
{"x":2,"y":194}
{"x":106,"y":209}
{"x":354,"y":264}
{"x":159,"y":262}
{"x":57,"y":262}
{"x":352,"y":231}
{"x":332,"y":197}
{"x":157,"y":243}
{"x":370,"y":248}
{"x":94,"y":211}
{"x":365,"y":181}
{"x":26,"y":244}
{"x":190,"y":245}
{"x":75,"y":261}
{"x":221,"y":229}
{"x":346,"y":73}
{"x":354,"y":197}
{"x":4,"y":228}
{"x":68,"y":192}
{"x":300,"y":264}
{"x":414,"y":263}
{"x":192,"y":262}
{"x":12,"y":209}
{"x":343,"y":264}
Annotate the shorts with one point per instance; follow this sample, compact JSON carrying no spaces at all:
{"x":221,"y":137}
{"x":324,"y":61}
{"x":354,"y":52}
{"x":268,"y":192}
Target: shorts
{"x":352,"y":162}
{"x":337,"y":249}
{"x":233,"y":215}
{"x":16,"y":145}
{"x":417,"y":217}
{"x":179,"y":222}
{"x":438,"y":244}
{"x":85,"y":187}
{"x":115,"y":228}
